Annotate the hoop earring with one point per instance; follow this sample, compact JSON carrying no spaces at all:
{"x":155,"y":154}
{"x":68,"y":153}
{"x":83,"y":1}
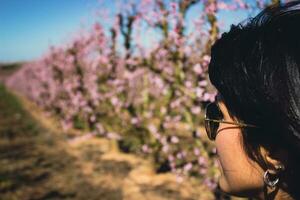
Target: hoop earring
{"x":268,"y":181}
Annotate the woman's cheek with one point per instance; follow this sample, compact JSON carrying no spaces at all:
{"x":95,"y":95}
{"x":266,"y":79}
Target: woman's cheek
{"x":238,"y":175}
{"x":231,"y":159}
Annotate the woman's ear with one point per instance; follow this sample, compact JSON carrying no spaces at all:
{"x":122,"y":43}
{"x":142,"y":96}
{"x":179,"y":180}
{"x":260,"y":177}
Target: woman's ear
{"x":276,"y":165}
{"x":275,"y":161}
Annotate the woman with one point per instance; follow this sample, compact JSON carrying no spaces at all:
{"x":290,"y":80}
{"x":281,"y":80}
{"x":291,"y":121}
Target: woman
{"x":255,"y":120}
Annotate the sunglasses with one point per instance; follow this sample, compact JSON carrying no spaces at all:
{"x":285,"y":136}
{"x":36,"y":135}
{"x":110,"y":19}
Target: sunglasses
{"x":213,"y":117}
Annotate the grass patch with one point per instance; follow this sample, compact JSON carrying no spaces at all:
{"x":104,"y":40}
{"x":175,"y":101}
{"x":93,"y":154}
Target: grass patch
{"x":14,"y":120}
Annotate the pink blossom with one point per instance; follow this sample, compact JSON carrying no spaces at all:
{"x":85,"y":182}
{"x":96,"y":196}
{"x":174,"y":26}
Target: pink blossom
{"x":152,"y":128}
{"x":174,"y":139}
{"x":134,"y":120}
{"x":199,"y":92}
{"x":198,"y":69}
{"x":202,"y":161}
{"x":203,"y":170}
{"x":113,"y":135}
{"x":187,"y":50}
{"x":198,"y":134}
{"x":165,"y":148}
{"x":196,"y":110}
{"x":214,"y":150}
{"x":242,"y":4}
{"x":196,"y":151}
{"x":146,"y":149}
{"x":93,"y":118}
{"x":114,"y":101}
{"x":188,"y":84}
{"x":171,"y":158}
{"x":202,"y":83}
{"x":211,"y":8}
{"x":179,"y":156}
{"x":210,"y":183}
{"x":188,"y":167}
{"x":163,"y":110}
{"x":100,"y":128}
{"x":206,"y":59}
{"x":209,"y":97}
{"x":224,"y":6}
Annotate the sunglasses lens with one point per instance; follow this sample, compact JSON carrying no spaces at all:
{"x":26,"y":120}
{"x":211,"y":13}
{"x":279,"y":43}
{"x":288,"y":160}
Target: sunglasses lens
{"x":211,"y":129}
{"x":212,"y":113}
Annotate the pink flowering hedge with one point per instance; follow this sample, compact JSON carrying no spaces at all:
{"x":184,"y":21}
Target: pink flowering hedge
{"x":142,"y":81}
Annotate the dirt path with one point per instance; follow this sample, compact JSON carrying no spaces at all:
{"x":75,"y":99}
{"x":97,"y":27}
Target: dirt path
{"x":37,"y":162}
{"x":133,"y":176}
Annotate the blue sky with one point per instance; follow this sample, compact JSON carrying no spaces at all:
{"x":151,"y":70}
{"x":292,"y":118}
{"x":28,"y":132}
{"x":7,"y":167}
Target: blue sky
{"x":28,"y":27}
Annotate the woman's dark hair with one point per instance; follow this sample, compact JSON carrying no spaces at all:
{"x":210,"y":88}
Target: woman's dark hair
{"x":256,"y":68}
